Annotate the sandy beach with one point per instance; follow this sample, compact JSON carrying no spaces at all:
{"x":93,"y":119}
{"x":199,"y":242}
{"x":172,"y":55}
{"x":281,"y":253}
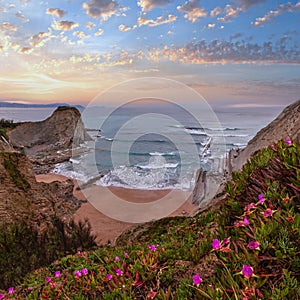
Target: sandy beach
{"x":120,"y":208}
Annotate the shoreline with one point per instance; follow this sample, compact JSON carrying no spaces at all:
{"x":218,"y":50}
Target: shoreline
{"x":108,"y":228}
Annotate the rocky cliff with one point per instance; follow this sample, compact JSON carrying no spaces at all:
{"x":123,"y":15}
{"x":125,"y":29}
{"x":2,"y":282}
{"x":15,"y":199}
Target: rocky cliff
{"x":286,"y":125}
{"x":50,"y":141}
{"x":22,"y":197}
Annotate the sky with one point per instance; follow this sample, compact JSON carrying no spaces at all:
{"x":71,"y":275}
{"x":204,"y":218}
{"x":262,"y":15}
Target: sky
{"x":240,"y":52}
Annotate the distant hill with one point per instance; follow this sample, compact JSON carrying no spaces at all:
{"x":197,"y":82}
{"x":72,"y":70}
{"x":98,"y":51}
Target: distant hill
{"x":23,"y":105}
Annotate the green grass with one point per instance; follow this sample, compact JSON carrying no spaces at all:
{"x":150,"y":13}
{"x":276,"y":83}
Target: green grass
{"x":10,"y":163}
{"x":6,"y":125}
{"x":162,"y":257}
{"x":24,"y":248}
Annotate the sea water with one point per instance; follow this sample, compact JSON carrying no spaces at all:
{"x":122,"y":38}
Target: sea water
{"x":154,"y":152}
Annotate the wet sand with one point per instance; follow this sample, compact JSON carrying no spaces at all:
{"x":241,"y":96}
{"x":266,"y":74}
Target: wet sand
{"x":113,"y":210}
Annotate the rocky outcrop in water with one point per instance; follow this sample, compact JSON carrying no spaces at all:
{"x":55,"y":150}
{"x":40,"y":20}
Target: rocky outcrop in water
{"x":50,"y":141}
{"x":286,"y":125}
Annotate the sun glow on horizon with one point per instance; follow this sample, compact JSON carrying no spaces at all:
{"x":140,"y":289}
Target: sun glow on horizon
{"x":61,"y":52}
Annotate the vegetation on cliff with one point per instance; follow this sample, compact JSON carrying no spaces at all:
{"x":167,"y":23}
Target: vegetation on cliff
{"x":24,"y":248}
{"x":247,"y":247}
{"x":5,"y":125}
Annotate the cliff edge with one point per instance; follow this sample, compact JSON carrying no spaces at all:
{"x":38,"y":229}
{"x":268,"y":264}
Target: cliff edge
{"x":286,"y":125}
{"x":22,"y":197}
{"x":50,"y":141}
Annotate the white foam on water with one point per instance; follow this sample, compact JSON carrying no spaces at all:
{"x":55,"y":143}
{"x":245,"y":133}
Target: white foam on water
{"x":195,"y":131}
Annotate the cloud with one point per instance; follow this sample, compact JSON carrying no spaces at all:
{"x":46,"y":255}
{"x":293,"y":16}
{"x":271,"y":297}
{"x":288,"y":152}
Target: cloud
{"x":5,"y":26}
{"x":64,"y":25}
{"x":143,"y":21}
{"x":148,"y":5}
{"x":216,"y":11}
{"x":192,"y":10}
{"x":90,"y":25}
{"x":80,"y":34}
{"x":55,"y":12}
{"x":26,"y":50}
{"x":236,"y":36}
{"x":282,"y":8}
{"x":158,"y":21}
{"x":103,"y":9}
{"x":210,"y":26}
{"x":230,"y":13}
{"x":222,"y":52}
{"x":21,"y":17}
{"x":124,"y":28}
{"x":150,"y":70}
{"x":40,"y":39}
{"x":245,"y":4}
{"x":99,"y":32}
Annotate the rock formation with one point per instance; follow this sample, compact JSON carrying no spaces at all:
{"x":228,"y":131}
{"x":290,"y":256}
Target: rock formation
{"x":5,"y":145}
{"x":286,"y":125}
{"x":50,"y":141}
{"x":22,"y":197}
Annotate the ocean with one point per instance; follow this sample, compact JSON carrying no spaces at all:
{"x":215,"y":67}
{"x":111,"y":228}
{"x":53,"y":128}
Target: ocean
{"x":154,"y":146}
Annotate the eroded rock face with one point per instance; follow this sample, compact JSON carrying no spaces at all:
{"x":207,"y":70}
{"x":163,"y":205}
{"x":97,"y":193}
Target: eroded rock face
{"x":22,"y":197}
{"x":286,"y":125}
{"x":50,"y":141}
{"x":5,"y":145}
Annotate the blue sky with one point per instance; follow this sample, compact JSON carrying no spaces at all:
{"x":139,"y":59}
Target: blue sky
{"x":243,"y":52}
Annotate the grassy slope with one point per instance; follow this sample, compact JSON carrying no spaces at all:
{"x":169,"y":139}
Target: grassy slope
{"x":163,"y":257}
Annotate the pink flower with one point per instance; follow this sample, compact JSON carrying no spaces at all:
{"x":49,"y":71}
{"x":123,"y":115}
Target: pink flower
{"x":216,"y":244}
{"x":253,"y":245}
{"x":57,"y":274}
{"x":30,"y":289}
{"x":109,"y":276}
{"x":78,"y":252}
{"x":226,"y":241}
{"x":11,"y":290}
{"x":84,"y":271}
{"x":152,"y":247}
{"x":151,"y":295}
{"x":126,"y":255}
{"x":249,"y":206}
{"x":246,"y":221}
{"x":247,"y":271}
{"x":197,"y":279}
{"x":288,"y":142}
{"x":261,"y":198}
{"x":268,"y":212}
{"x":117,"y":258}
{"x":78,"y":274}
{"x":48,"y":279}
{"x":119,"y":272}
{"x":238,"y":224}
{"x":1,"y":296}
